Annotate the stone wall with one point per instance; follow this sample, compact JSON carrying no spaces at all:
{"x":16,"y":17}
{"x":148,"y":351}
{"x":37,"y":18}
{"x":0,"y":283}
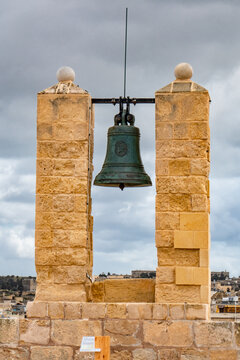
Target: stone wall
{"x":63,"y":245}
{"x":125,"y":290}
{"x":182,"y":193}
{"x":138,"y":332}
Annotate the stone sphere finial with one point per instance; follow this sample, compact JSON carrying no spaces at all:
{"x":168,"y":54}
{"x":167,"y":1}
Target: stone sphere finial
{"x":65,"y":73}
{"x":183,"y":71}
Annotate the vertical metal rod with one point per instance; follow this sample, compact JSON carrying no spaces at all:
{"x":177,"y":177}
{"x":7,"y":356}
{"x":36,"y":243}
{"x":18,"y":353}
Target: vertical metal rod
{"x":125,"y":57}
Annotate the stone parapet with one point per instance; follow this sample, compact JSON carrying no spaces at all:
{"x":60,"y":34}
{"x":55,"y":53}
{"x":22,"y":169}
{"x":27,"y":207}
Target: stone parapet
{"x":131,"y":338}
{"x":40,"y":310}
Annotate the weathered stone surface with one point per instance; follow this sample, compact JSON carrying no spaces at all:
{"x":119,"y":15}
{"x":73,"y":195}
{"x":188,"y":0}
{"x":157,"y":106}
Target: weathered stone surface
{"x":176,"y":312}
{"x":44,"y":131}
{"x":182,"y":149}
{"x":179,"y":167}
{"x":179,"y":257}
{"x":181,"y":131}
{"x":116,"y":311}
{"x":237,"y":333}
{"x":170,"y":354}
{"x":60,"y":185}
{"x":164,"y":130}
{"x":200,"y":167}
{"x":63,"y":203}
{"x":70,"y":131}
{"x":223,"y":355}
{"x":189,"y":184}
{"x":83,"y":356}
{"x":71,"y":221}
{"x":121,"y":355}
{"x":8,"y":331}
{"x":44,"y":202}
{"x":80,"y":202}
{"x":177,"y":333}
{"x":69,"y":238}
{"x":167,"y":221}
{"x":44,"y":167}
{"x":179,"y":202}
{"x":143,"y":354}
{"x":44,"y":275}
{"x":69,"y":274}
{"x":199,"y":202}
{"x":192,"y":354}
{"x":7,"y":353}
{"x":184,"y":105}
{"x":56,"y":310}
{"x":45,"y":256}
{"x":43,"y":238}
{"x":73,"y":310}
{"x":51,"y":352}
{"x":160,"y":311}
{"x":164,"y":238}
{"x":173,"y":202}
{"x":171,"y":293}
{"x":127,"y":290}
{"x":213,"y":334}
{"x":161,"y":167}
{"x":122,"y":332}
{"x":98,"y":294}
{"x":70,"y":256}
{"x":182,"y":185}
{"x":81,"y":168}
{"x":60,"y":292}
{"x":196,"y":312}
{"x":162,"y":202}
{"x":62,"y":149}
{"x":70,"y":332}
{"x":93,"y":311}
{"x":199,"y":130}
{"x":34,"y":331}
{"x":62,"y":167}
{"x":43,"y":220}
{"x":139,"y":311}
{"x":36,"y":309}
{"x":165,"y":274}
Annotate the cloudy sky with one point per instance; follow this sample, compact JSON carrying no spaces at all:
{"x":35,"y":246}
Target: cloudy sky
{"x":36,"y":38}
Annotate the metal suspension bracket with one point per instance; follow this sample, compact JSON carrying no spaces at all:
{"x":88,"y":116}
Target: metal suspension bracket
{"x":124,"y":100}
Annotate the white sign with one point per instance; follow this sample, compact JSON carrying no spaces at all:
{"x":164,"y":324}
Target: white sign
{"x":88,"y":344}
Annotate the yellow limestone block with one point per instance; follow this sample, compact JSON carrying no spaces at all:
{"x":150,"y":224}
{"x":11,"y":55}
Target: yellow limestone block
{"x":179,"y":167}
{"x":192,"y":275}
{"x":205,"y":294}
{"x":204,"y":257}
{"x":194,"y":221}
{"x":191,"y":239}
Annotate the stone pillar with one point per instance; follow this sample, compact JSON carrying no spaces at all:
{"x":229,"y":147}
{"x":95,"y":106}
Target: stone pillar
{"x":63,"y":240}
{"x":182,"y":191}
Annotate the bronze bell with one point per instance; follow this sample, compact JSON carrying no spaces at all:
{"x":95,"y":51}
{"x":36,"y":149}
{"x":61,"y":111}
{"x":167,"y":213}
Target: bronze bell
{"x":123,"y":165}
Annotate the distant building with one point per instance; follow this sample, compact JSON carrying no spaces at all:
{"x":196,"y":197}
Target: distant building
{"x":144,"y":274}
{"x":29,"y":284}
{"x":219,"y":275}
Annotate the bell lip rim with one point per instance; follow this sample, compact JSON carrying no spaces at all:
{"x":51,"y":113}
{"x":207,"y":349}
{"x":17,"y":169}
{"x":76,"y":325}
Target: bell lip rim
{"x":125,"y":184}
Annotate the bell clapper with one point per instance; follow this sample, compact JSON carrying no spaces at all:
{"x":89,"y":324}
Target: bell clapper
{"x":121,"y":186}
